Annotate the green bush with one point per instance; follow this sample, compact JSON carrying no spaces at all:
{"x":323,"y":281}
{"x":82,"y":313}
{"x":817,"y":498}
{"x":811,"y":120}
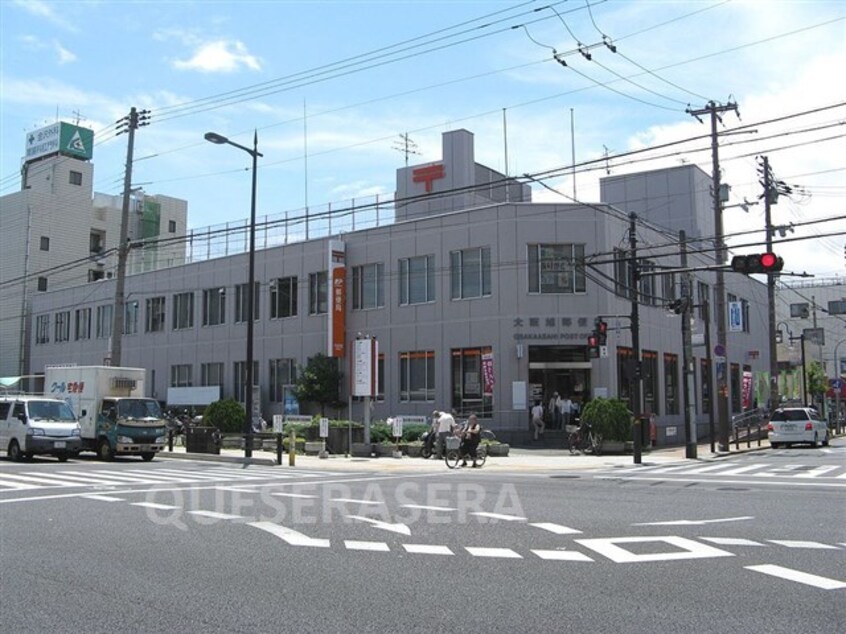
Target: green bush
{"x":227,"y":415}
{"x":381,"y":432}
{"x":414,"y":431}
{"x":609,"y":417}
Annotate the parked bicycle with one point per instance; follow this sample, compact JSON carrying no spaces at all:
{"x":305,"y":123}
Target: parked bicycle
{"x":456,"y":456}
{"x":585,"y":440}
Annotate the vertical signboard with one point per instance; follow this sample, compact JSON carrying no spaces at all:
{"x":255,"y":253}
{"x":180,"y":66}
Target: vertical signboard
{"x":735,"y":317}
{"x":365,"y":356}
{"x":337,"y":274}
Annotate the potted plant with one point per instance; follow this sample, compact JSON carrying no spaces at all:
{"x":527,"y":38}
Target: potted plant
{"x":611,"y":419}
{"x":496,"y":448}
{"x":414,"y":449}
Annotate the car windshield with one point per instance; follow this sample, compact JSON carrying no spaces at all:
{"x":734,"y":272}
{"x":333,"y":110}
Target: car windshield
{"x":51,"y":410}
{"x":139,"y":408}
{"x":789,"y":414}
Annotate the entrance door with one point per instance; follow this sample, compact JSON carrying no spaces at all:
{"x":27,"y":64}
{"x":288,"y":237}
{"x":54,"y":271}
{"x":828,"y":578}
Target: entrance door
{"x":561,"y":369}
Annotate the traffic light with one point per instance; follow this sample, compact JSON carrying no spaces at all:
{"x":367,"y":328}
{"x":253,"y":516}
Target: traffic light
{"x":593,"y":346}
{"x":600,"y":331}
{"x":757,"y":263}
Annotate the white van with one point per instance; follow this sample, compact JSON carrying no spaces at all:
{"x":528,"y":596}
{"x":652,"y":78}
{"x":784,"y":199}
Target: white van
{"x":32,"y":425}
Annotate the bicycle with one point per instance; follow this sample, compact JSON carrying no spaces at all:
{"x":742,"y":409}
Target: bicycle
{"x":585,"y":440}
{"x":454,"y":457}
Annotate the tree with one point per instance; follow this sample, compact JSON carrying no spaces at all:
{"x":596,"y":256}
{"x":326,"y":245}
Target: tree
{"x":319,"y":382}
{"x":817,"y":380}
{"x":227,"y":415}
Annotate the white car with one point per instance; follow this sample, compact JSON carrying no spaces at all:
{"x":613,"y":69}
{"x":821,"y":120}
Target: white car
{"x":789,"y":425}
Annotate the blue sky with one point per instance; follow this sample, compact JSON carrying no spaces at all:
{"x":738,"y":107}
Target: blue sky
{"x":363,"y":73}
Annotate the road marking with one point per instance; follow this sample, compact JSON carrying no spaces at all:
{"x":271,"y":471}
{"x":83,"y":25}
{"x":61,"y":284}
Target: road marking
{"x":216,"y":515}
{"x":732,"y":541}
{"x":102,"y":498}
{"x":17,"y":486}
{"x":782,"y":483}
{"x":402,"y":529}
{"x":698,"y":470}
{"x":427,"y":549}
{"x":556,"y":528}
{"x":290,"y":536}
{"x":696,"y":522}
{"x":746,"y":469}
{"x":819,"y":471}
{"x":799,"y":577}
{"x":506,"y":553}
{"x":155,"y":505}
{"x":500,"y":516}
{"x":423,"y":507}
{"x":800,"y":544}
{"x":351,"y":501}
{"x":689,"y":549}
{"x":562,"y":555}
{"x":293,"y":495}
{"x":374,"y":546}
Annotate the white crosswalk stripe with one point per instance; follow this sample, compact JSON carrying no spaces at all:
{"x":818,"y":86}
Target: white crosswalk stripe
{"x":755,"y":470}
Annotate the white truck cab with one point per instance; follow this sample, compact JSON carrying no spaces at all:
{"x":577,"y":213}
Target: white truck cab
{"x":31,"y":425}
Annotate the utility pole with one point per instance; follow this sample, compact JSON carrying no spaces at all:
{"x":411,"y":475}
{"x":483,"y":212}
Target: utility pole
{"x":770,"y":197}
{"x":634,"y":381}
{"x":714,"y":111}
{"x":690,"y":437}
{"x":129,"y":123}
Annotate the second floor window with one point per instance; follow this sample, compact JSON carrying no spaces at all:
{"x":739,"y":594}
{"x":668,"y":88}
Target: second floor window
{"x":417,"y":280}
{"x":214,"y":306}
{"x":283,"y":297}
{"x":368,"y":286}
{"x":105,"y":317}
{"x":130,"y":317}
{"x":83,"y":323}
{"x":180,"y":375}
{"x":470,"y":273}
{"x":183,"y":311}
{"x":42,"y":329}
{"x":318,"y":293}
{"x":62,"y":327}
{"x":557,"y":268}
{"x":241,"y":303}
{"x":155,"y":315}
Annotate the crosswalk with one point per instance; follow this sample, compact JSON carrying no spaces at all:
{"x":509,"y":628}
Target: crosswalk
{"x":80,"y":477}
{"x":801,"y":472}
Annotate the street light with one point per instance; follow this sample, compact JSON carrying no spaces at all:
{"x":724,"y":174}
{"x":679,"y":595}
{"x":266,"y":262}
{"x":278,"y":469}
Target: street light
{"x":213,"y":137}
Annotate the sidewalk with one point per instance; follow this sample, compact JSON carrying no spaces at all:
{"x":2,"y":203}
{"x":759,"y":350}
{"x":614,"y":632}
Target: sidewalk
{"x":518,"y":460}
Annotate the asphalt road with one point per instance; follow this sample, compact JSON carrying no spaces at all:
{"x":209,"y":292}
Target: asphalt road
{"x":756,"y":543}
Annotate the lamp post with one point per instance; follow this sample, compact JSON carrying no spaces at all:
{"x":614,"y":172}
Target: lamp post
{"x":213,"y":137}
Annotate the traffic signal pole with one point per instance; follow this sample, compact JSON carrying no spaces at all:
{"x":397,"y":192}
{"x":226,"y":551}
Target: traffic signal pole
{"x":768,"y":226}
{"x":690,"y":436}
{"x":634,"y":383}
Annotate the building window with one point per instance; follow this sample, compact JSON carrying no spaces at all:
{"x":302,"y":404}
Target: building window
{"x":651,"y":395}
{"x":625,"y":371}
{"x":155,"y":315}
{"x":42,"y":283}
{"x":744,"y":311}
{"x":82,"y":322}
{"x":702,"y":292}
{"x":556,"y":268}
{"x":241,"y":305}
{"x":45,"y":243}
{"x":211,"y":374}
{"x":171,"y":226}
{"x":180,"y":375}
{"x":95,"y":275}
{"x":283,"y":297}
{"x":646,"y":283}
{"x":668,"y":287}
{"x":705,"y":386}
{"x":214,"y":306}
{"x":800,"y":311}
{"x":318,"y":293}
{"x":368,"y":286}
{"x":470,"y":273}
{"x":472,"y":381}
{"x":183,"y":311}
{"x":105,"y":317}
{"x":61,"y":331}
{"x":417,"y":376}
{"x":735,"y":388}
{"x":75,"y":178}
{"x":130,"y":317}
{"x":622,"y":274}
{"x":96,"y":239}
{"x":417,"y":280}
{"x":240,"y":376}
{"x":42,"y":329}
{"x":283,"y":373}
{"x":671,"y":383}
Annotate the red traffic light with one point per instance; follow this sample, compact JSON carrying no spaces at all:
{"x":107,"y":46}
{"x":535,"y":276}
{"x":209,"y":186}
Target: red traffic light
{"x":593,"y":341}
{"x":769,"y":261}
{"x":757,"y":263}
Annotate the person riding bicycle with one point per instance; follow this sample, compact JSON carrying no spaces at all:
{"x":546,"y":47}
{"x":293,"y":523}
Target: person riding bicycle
{"x":470,"y":439}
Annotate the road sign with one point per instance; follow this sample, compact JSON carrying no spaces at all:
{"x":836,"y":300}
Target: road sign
{"x":277,"y":424}
{"x":398,"y":427}
{"x":719,"y":350}
{"x":324,"y":427}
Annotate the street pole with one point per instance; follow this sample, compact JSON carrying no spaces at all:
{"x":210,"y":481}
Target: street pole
{"x":837,"y":386}
{"x":251,"y":276}
{"x":634,"y":382}
{"x":721,"y":396}
{"x":129,"y":124}
{"x":769,"y":193}
{"x":804,"y":372}
{"x":687,"y":355}
{"x":710,"y":377}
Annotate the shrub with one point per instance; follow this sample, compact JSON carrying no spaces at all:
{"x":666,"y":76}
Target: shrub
{"x":227,"y":415}
{"x":381,"y":432}
{"x":609,"y":417}
{"x":414,"y":431}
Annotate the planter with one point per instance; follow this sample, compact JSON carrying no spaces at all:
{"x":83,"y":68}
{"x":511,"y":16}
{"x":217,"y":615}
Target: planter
{"x":613,"y":446}
{"x":312,"y":448}
{"x":499,"y":450}
{"x":385,"y":450}
{"x":361,"y":450}
{"x":414,"y":451}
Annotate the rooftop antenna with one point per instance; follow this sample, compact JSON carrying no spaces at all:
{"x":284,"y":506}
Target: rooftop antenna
{"x":406,"y":146}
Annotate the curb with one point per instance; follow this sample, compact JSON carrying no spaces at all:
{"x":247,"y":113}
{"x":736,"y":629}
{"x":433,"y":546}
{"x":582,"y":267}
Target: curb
{"x":211,"y":457}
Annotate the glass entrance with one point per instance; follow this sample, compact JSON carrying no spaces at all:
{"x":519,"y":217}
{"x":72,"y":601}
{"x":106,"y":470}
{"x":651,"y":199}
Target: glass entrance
{"x":564,"y":370}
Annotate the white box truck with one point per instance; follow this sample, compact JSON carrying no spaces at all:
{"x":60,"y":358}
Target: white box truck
{"x":115,"y":417}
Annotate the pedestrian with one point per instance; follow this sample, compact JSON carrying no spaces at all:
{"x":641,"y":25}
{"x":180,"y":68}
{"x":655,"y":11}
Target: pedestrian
{"x":565,"y":406}
{"x":470,"y":441}
{"x":446,"y":425}
{"x":537,"y":419}
{"x":555,"y":411}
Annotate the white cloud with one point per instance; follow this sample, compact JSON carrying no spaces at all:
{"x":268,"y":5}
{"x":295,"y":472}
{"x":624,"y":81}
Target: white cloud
{"x":65,"y":56}
{"x":45,"y":11}
{"x":220,"y":56}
